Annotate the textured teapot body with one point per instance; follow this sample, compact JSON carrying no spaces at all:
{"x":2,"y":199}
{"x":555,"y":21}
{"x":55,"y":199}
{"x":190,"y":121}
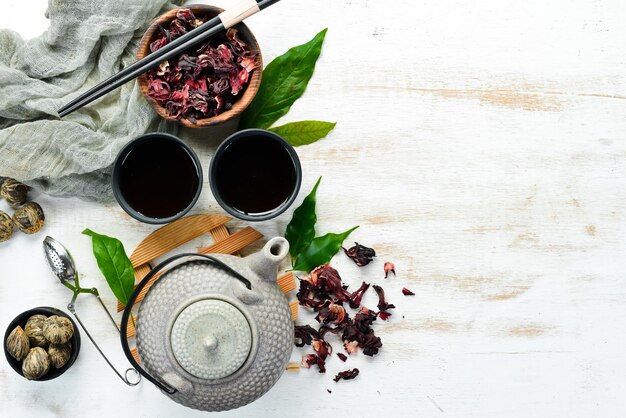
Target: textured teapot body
{"x":218,"y":343}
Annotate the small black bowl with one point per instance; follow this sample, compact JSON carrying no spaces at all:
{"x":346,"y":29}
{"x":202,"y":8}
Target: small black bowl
{"x":252,"y":136}
{"x":160,"y":191}
{"x":21,"y":320}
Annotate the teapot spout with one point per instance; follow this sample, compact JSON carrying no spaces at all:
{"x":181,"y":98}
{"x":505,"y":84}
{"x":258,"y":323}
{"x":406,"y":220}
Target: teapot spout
{"x":265,"y":262}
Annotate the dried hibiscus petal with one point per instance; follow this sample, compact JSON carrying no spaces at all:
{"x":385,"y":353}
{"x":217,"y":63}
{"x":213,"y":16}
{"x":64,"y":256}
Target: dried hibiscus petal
{"x":185,"y":15}
{"x":304,"y":334}
{"x":309,"y":360}
{"x":331,"y":313}
{"x":342,"y":356}
{"x":177,"y":28}
{"x":389,"y":267}
{"x":309,"y":295}
{"x":370,"y":344}
{"x":351,"y":346}
{"x":383,"y":306}
{"x":347,"y":375}
{"x":327,"y":277}
{"x":357,"y":295}
{"x":363,"y":320}
{"x":360,"y":254}
{"x":159,"y":89}
{"x":322,"y":348}
{"x":158,"y":43}
{"x":407,"y":292}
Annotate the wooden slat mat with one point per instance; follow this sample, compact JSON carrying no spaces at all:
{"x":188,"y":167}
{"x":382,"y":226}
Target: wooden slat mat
{"x":181,"y":231}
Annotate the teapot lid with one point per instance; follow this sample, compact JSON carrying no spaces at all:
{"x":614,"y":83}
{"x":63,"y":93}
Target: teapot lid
{"x":211,"y":339}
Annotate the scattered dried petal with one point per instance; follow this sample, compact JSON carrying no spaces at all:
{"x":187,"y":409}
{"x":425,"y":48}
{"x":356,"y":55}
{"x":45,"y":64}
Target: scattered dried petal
{"x":407,"y":292}
{"x":327,"y":277}
{"x":357,"y":295}
{"x":371,"y":344}
{"x":304,"y":334}
{"x":331,"y":313}
{"x":347,"y":375}
{"x":383,"y":306}
{"x":389,"y":267}
{"x":351,"y":346}
{"x":363,"y":320}
{"x":322,"y":348}
{"x":360,"y":254}
{"x":309,"y":360}
{"x":324,"y":292}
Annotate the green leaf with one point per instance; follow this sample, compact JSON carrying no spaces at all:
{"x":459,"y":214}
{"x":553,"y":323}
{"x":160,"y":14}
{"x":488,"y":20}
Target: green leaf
{"x":301,"y":229}
{"x":114,"y":264}
{"x":321,"y":250}
{"x":284,"y":81}
{"x":304,"y":132}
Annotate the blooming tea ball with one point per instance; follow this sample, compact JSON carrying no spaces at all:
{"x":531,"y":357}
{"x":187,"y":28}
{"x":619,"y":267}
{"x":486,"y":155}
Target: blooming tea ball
{"x":17,"y":344}
{"x":36,"y":364}
{"x":14,"y":192}
{"x":30,"y":218}
{"x":59,"y":354}
{"x":58,"y":329}
{"x":6,"y":226}
{"x":34,"y":330}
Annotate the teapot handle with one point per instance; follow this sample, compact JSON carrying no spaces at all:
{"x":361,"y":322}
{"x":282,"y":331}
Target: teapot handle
{"x":131,"y":302}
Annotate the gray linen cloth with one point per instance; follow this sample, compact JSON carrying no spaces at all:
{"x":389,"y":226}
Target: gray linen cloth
{"x":87,"y":41}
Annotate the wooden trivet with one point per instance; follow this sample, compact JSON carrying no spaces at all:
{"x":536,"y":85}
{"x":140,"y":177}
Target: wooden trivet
{"x":173,"y":235}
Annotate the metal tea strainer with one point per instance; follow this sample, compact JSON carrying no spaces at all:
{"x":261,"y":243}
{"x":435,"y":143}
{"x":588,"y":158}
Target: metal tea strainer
{"x":63,"y":267}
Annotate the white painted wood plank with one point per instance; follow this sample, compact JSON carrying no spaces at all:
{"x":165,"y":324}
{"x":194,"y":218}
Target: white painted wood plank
{"x":481,"y":147}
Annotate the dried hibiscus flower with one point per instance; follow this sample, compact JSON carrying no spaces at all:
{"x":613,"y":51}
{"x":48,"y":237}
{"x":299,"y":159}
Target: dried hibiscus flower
{"x":383,"y":306}
{"x":304,"y":334}
{"x":323,"y":350}
{"x":407,"y":292}
{"x":360,"y":254}
{"x":351,"y":346}
{"x":311,"y":296}
{"x":363,"y":320}
{"x":357,"y":295}
{"x":389,"y":267}
{"x":347,"y":375}
{"x":204,"y":80}
{"x":321,"y":285}
{"x":331,"y":313}
{"x":328,"y":277}
{"x":342,"y":356}
{"x":309,"y":360}
{"x":370,"y":344}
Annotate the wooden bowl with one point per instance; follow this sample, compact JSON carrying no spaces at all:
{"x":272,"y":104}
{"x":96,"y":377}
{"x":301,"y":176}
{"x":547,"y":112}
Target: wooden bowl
{"x":204,"y":11}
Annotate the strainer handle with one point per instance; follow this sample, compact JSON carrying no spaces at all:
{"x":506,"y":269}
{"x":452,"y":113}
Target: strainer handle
{"x":142,"y":284}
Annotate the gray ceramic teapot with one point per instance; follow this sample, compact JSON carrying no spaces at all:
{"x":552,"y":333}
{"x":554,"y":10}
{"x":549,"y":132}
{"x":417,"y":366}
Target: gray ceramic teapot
{"x":213,"y":332}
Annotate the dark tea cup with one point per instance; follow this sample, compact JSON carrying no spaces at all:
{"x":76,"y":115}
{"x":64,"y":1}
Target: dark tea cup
{"x":157,"y":178}
{"x":255,"y":175}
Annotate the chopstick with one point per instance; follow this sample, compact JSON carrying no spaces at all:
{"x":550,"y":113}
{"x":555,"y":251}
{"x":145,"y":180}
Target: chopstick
{"x":224,"y":20}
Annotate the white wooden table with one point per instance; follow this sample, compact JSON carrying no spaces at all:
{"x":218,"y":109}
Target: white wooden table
{"x":481,"y":146}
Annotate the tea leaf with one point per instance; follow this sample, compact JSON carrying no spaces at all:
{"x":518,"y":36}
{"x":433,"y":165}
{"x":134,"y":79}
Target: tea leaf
{"x":301,"y":229}
{"x":114,"y":264}
{"x":284,"y":81}
{"x":321,"y":250}
{"x":304,"y":132}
